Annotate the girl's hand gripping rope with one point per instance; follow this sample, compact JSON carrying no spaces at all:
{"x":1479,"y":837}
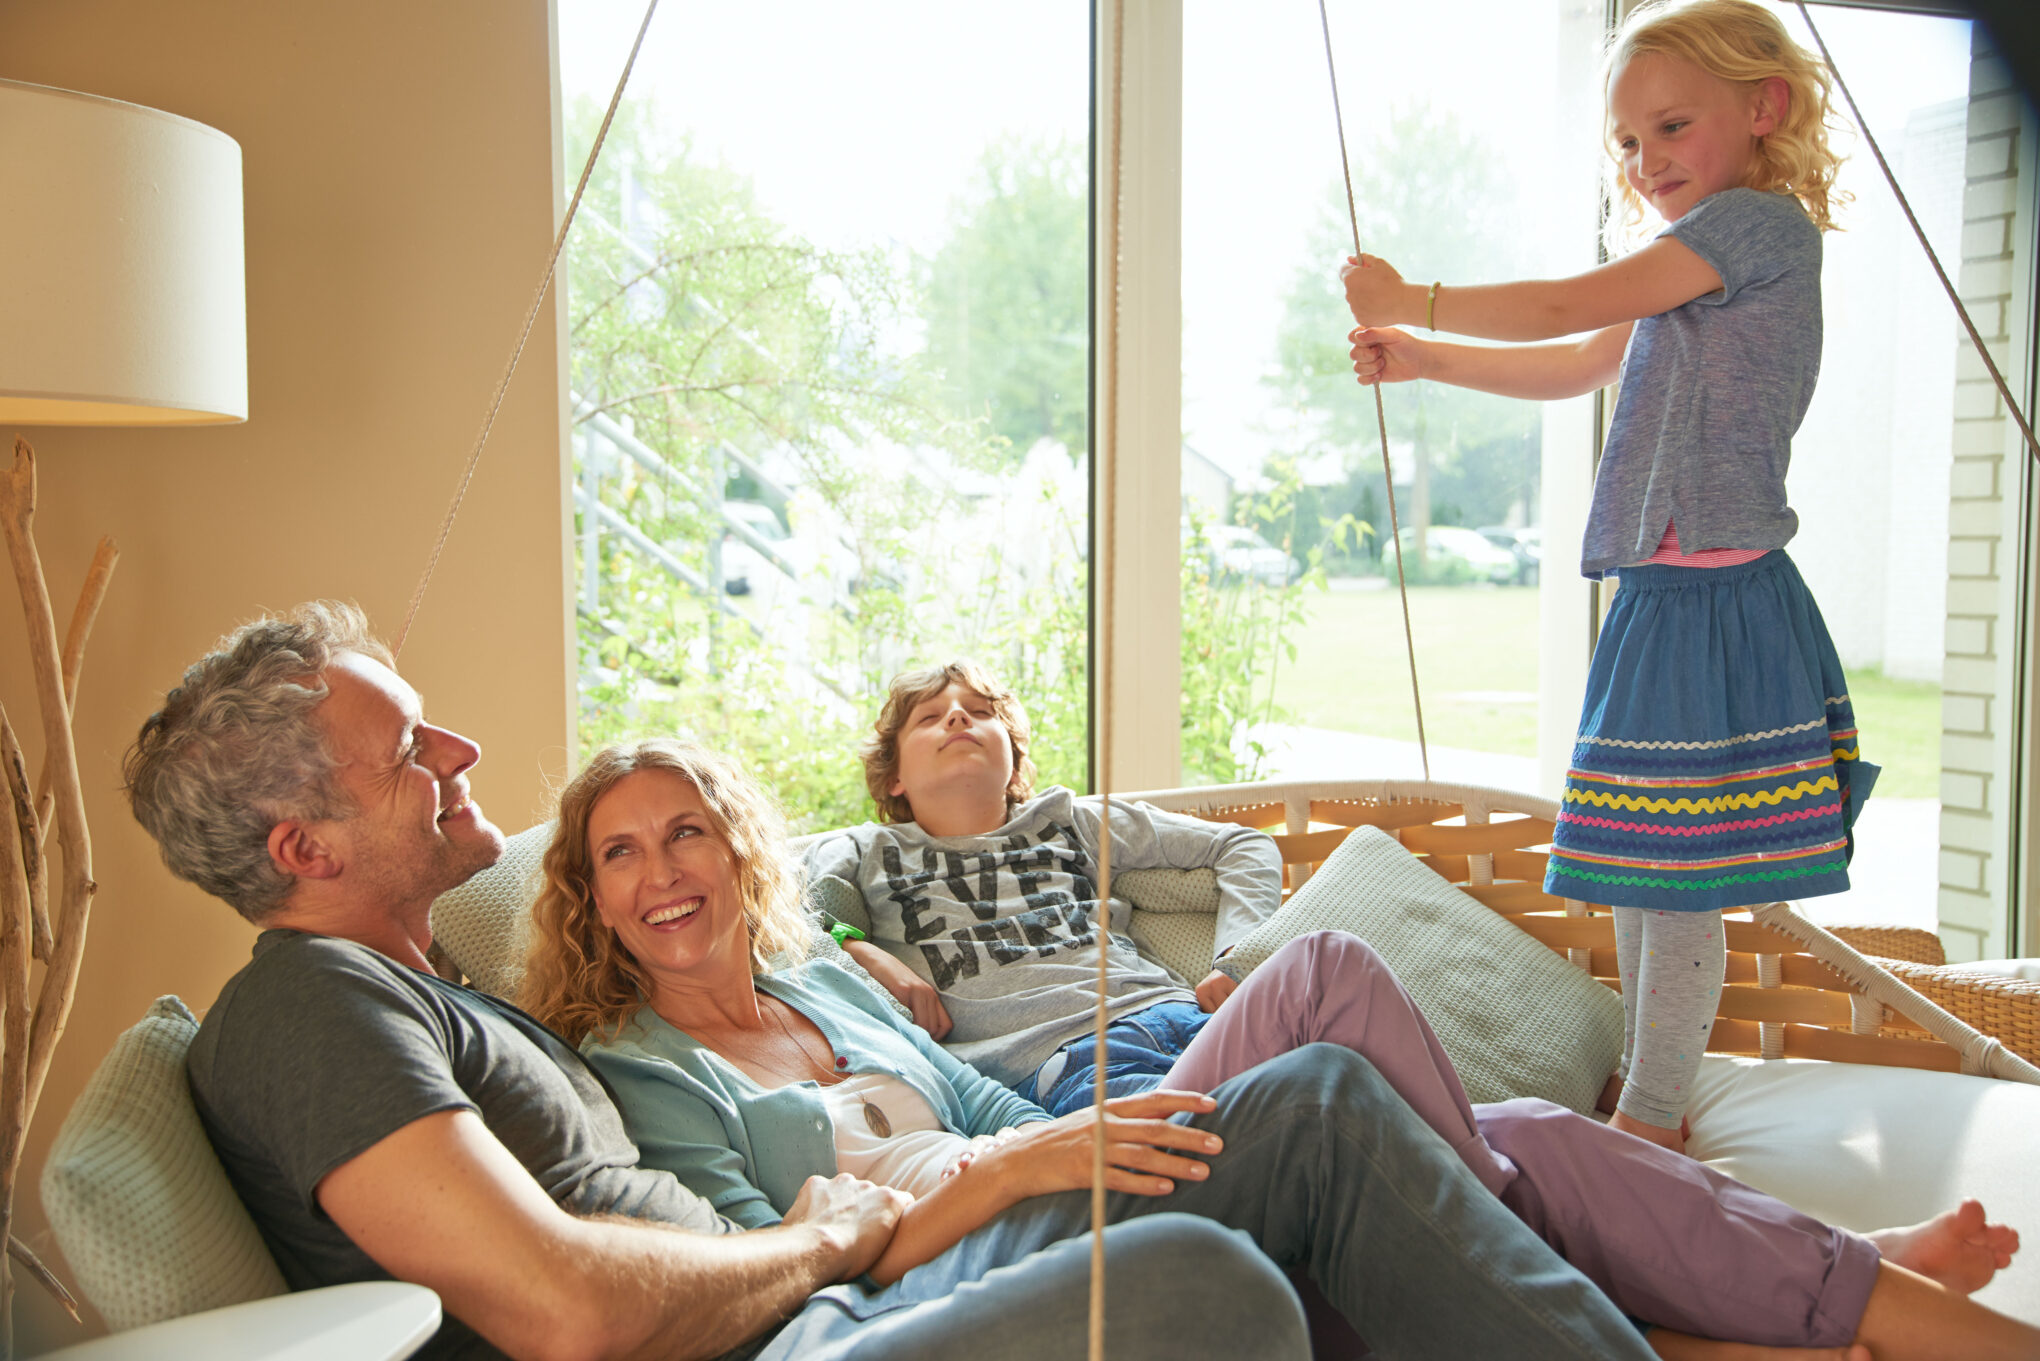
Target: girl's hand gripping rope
{"x":1382,"y":354}
{"x":1377,"y":295}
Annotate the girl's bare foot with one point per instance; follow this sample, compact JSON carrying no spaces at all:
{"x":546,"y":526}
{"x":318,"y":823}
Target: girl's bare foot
{"x":1673,"y":1139}
{"x":1672,"y":1346}
{"x":1957,"y":1250}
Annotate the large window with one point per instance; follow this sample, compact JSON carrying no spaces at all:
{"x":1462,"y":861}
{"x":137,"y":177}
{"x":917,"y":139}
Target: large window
{"x":1871,"y":464}
{"x":832,"y":350}
{"x":1289,"y":570}
{"x":829,"y":348}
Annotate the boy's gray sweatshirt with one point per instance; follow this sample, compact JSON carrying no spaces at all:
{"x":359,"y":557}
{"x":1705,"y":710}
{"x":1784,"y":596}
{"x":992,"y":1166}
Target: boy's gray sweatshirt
{"x":1001,"y":924}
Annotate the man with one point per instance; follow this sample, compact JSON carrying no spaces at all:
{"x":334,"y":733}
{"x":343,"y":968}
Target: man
{"x":379,"y":1122}
{"x":982,"y":896}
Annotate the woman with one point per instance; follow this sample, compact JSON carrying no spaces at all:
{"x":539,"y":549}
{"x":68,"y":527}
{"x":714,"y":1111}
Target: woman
{"x":669,"y":899}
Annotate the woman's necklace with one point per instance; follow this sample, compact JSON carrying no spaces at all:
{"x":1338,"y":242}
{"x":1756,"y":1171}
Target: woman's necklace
{"x":874,"y":1117}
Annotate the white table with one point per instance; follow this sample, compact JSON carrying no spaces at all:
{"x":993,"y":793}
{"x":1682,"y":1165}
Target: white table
{"x":367,"y":1321}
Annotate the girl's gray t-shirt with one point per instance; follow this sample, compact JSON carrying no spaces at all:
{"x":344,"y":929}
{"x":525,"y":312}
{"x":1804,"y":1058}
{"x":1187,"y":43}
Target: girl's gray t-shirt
{"x":1713,"y":391}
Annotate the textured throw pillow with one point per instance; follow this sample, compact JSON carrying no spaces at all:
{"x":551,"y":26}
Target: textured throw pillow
{"x":139,"y":1202}
{"x":1175,"y":917}
{"x":1516,"y":1019}
{"x":485,"y":925}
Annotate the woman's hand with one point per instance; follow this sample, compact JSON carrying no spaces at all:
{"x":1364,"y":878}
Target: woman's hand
{"x":979,"y":1143}
{"x":1376,"y":294}
{"x":916,"y":993}
{"x":1145,"y":1153}
{"x":1382,"y":354}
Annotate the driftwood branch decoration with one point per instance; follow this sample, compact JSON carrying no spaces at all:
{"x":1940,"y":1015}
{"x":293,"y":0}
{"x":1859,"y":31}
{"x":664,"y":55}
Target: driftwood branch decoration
{"x":28,"y":1037}
{"x":14,"y":1022}
{"x":96,"y":576}
{"x":30,"y":831}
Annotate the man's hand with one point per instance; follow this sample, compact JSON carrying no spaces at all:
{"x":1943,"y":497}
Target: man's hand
{"x":916,"y":993}
{"x":1215,"y":988}
{"x":855,"y":1218}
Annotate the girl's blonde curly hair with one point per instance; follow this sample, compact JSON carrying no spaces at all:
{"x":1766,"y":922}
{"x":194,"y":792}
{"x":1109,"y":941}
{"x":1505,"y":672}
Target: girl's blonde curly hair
{"x":578,"y":978}
{"x":1743,"y":43}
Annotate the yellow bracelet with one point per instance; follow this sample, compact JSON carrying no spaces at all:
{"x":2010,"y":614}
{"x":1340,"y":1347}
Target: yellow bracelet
{"x":1431,"y":307}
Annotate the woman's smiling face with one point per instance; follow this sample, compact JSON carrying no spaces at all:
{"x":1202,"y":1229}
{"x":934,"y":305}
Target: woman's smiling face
{"x":664,"y":879}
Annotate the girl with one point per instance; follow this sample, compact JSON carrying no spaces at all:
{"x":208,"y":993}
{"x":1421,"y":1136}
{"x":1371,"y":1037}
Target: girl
{"x":1716,"y":763}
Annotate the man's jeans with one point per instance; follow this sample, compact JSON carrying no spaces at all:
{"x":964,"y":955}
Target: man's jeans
{"x":1329,"y":1171}
{"x":1140,"y":1048}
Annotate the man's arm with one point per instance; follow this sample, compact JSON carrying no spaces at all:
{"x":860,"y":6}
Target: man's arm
{"x":441,"y":1203}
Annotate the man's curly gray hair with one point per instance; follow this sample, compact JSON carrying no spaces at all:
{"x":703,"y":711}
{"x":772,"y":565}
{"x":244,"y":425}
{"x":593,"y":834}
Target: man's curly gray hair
{"x":234,"y":751}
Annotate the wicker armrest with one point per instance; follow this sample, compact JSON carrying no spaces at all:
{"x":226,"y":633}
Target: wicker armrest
{"x":2008,"y":1008}
{"x":1908,"y":943}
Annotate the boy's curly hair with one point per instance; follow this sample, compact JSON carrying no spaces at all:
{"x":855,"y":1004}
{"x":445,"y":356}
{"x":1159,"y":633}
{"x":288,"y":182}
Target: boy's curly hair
{"x":1743,"y":43}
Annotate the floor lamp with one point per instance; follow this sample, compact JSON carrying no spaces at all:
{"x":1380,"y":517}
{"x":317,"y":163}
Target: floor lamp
{"x":122,"y":302}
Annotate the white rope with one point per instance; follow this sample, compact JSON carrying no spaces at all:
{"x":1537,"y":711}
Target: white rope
{"x":1380,"y":415}
{"x":1108,"y":467}
{"x":1905,"y":205}
{"x":1982,"y":1055}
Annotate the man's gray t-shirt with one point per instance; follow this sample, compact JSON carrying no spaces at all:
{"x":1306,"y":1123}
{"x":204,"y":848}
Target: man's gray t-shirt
{"x":321,"y":1048}
{"x":963,"y":912}
{"x":1713,"y":391}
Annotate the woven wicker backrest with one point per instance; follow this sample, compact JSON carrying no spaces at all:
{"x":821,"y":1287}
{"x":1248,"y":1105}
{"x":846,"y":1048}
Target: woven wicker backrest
{"x":1777,"y":1000}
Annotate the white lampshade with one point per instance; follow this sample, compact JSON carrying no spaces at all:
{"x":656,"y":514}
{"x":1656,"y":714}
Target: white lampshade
{"x":122,"y":292}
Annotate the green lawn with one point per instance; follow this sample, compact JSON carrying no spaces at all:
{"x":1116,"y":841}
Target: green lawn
{"x":1477,"y":662}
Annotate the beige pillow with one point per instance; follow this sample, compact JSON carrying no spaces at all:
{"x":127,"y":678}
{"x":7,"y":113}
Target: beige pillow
{"x":138,"y":1199}
{"x":485,"y":925}
{"x":1515,"y":1018}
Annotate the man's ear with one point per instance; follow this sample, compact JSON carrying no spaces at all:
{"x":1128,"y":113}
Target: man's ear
{"x":300,"y":850}
{"x":1768,"y":109}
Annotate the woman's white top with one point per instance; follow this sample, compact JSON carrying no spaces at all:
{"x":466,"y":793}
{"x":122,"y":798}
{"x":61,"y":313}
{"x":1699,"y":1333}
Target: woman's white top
{"x":912,"y":1156}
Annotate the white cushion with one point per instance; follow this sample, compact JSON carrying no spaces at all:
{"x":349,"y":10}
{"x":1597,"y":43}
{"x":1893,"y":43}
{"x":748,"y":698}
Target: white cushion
{"x":2027,"y":969}
{"x":1870,"y":1147}
{"x":138,"y":1199}
{"x":1515,"y":1018}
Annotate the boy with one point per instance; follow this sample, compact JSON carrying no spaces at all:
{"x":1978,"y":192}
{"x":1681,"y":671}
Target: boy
{"x":972,"y":874}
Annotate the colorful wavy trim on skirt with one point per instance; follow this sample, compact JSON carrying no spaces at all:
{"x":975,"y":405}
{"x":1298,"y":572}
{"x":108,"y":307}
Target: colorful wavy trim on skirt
{"x":1705,"y":826}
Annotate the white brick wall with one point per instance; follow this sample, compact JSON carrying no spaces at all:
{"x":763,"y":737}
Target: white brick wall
{"x":1979,"y":670}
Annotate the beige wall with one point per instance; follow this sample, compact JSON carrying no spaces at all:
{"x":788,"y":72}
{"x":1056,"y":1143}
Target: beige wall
{"x":400,"y":184}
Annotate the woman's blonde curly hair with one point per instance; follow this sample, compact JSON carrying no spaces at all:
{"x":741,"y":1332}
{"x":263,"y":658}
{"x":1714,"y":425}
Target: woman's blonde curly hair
{"x":1743,"y":43}
{"x":578,"y":979}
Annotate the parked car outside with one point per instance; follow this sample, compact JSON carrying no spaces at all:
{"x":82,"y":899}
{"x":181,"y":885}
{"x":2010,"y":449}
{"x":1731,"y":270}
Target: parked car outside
{"x":744,"y":567}
{"x":1527,"y":544}
{"x":1237,"y":551}
{"x":1453,"y":550}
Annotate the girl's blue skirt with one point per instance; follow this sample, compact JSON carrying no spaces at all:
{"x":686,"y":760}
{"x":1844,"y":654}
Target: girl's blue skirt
{"x":1717,"y":764}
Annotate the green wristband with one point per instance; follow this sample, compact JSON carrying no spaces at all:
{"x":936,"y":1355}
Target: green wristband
{"x":845,"y":933}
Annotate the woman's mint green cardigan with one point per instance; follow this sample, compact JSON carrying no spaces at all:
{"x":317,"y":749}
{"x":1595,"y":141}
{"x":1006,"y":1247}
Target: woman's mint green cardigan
{"x":747,"y":1150}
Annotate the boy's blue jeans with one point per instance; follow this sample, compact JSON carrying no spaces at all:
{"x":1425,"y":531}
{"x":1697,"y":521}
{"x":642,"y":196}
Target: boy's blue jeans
{"x":1140,"y":1049}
